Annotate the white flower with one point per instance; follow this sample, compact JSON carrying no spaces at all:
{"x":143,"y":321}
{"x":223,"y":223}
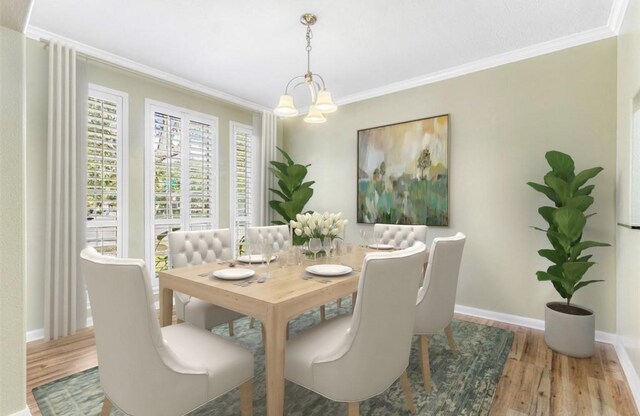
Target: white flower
{"x":307,"y":231}
{"x":325,"y":231}
{"x":298,"y":231}
{"x":299,"y":217}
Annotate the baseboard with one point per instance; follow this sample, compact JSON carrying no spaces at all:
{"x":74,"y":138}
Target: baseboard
{"x":601,"y":336}
{"x":629,"y":371}
{"x":23,"y":412}
{"x":35,"y":335}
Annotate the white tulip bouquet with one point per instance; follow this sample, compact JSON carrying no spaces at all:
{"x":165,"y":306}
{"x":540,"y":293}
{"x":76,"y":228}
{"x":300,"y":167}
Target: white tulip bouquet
{"x":317,"y":225}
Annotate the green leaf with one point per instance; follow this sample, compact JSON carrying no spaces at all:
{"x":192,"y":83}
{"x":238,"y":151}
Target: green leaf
{"x":307,"y":184}
{"x":280,"y":194}
{"x":553,"y":256}
{"x":570,"y":222}
{"x":544,"y":276}
{"x":302,"y":196}
{"x":545,"y":190}
{"x":561,"y":163}
{"x":585,"y":283}
{"x":559,"y":185}
{"x":558,"y":240}
{"x":584,"y":258}
{"x":277,"y":207}
{"x":538,"y":228}
{"x":547,"y":214}
{"x":286,"y":156}
{"x":278,"y":222}
{"x":582,"y":178}
{"x":584,"y":191}
{"x":282,"y":167}
{"x":583,"y":245}
{"x":580,"y":203}
{"x":284,"y":189}
{"x":574,"y":270}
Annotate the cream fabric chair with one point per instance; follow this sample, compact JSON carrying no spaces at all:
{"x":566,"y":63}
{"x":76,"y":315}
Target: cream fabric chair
{"x":401,"y":236}
{"x":277,"y":235}
{"x":353,"y":358}
{"x":190,"y":248}
{"x":146,"y":370}
{"x":437,"y":296}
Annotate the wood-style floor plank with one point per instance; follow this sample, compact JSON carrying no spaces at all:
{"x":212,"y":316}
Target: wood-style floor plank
{"x":535,"y":381}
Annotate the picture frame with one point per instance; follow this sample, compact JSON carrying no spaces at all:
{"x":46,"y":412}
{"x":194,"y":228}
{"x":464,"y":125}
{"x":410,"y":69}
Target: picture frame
{"x":403,"y":173}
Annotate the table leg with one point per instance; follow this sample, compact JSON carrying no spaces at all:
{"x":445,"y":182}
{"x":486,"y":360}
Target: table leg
{"x":275,"y":328}
{"x":166,"y":306}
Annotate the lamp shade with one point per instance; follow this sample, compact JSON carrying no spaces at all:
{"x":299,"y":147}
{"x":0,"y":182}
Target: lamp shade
{"x":285,"y":107}
{"x":324,"y":103}
{"x":314,"y":116}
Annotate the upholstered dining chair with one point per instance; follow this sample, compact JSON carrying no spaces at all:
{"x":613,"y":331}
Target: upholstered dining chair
{"x":355,"y":357}
{"x":190,"y":248}
{"x":146,"y":370}
{"x":401,"y":236}
{"x":437,"y":296}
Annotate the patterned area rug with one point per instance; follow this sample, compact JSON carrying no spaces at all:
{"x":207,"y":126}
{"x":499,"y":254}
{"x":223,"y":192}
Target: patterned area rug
{"x":464,"y":382}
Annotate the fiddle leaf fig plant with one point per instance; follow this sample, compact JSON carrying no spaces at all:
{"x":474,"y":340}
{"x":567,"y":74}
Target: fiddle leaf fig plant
{"x":294,"y":192}
{"x":566,"y":221}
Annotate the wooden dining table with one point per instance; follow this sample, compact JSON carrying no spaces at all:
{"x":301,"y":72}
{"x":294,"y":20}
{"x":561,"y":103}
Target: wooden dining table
{"x":289,"y":291}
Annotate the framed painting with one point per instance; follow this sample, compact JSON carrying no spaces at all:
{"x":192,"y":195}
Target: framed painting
{"x":403,"y":173}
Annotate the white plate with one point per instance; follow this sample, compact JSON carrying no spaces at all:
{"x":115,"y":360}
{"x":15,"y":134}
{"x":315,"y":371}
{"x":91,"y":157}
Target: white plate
{"x":254,"y":258}
{"x":329,"y":269}
{"x":235,"y":273}
{"x":381,"y":246}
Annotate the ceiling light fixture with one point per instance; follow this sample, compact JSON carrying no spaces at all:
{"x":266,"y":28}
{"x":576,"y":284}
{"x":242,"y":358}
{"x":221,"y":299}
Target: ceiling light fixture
{"x":321,"y":102}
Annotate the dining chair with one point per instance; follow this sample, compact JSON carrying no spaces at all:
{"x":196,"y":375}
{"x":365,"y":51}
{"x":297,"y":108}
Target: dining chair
{"x":148,"y":370}
{"x":190,"y":248}
{"x":401,"y":236}
{"x":437,"y":296}
{"x":355,"y":357}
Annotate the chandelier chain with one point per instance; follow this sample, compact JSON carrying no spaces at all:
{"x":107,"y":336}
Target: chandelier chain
{"x":308,"y":48}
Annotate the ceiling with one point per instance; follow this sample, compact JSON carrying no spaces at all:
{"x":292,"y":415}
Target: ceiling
{"x":251,"y":48}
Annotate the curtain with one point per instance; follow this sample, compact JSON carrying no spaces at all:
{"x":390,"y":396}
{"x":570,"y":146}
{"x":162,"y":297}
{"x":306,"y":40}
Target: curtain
{"x":268,"y":152}
{"x":65,"y":299}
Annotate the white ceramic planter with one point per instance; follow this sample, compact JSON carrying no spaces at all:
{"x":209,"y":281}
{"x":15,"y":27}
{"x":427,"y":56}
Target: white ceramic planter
{"x":573,"y":335}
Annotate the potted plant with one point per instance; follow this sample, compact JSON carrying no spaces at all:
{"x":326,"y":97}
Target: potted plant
{"x":569,"y":328}
{"x":294,"y":192}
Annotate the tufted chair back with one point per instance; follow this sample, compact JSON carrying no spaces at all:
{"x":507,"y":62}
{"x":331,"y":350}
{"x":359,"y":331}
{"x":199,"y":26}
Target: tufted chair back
{"x":275,"y":234}
{"x":401,"y":236}
{"x":190,"y":248}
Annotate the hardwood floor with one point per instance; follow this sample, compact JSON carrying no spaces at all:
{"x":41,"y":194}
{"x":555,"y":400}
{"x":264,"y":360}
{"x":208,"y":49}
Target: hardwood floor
{"x":535,"y":380}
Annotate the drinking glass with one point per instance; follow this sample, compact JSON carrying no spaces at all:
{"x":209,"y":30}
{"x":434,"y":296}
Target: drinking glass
{"x":315,"y":245}
{"x":377,"y":236}
{"x":267,"y":251}
{"x":366,"y":237}
{"x":327,"y":245}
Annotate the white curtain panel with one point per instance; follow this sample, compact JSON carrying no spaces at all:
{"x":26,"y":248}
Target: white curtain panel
{"x":65,"y":299}
{"x":268,"y":153}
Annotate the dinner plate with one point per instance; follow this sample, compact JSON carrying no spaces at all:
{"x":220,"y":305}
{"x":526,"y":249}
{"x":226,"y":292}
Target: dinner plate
{"x":236,"y":273}
{"x":254,"y":258}
{"x":381,"y":246}
{"x":329,"y":269}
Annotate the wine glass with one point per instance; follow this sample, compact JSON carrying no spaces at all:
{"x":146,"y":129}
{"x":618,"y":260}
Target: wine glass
{"x":377,"y":237}
{"x":315,"y":245}
{"x":366,"y":236}
{"x":267,"y":251}
{"x":327,"y":245}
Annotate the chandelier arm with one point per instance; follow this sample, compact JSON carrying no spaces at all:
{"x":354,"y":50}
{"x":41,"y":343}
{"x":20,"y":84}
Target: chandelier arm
{"x":286,"y":89}
{"x":321,"y":79}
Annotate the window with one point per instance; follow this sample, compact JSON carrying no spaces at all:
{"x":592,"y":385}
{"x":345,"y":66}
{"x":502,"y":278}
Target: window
{"x":182,"y":175}
{"x":243,"y":180}
{"x":106,"y":169}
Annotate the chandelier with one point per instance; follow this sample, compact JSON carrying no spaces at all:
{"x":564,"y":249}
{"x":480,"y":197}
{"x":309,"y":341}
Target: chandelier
{"x":321,"y":102}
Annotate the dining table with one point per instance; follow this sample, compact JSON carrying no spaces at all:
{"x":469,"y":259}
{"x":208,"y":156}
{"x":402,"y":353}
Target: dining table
{"x":288,"y":291}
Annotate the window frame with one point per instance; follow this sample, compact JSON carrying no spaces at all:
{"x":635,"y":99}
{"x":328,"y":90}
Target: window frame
{"x":121,"y":99}
{"x":186,"y":115}
{"x":234,"y":127}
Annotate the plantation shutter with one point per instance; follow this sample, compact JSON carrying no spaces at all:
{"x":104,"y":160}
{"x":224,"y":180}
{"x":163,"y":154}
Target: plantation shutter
{"x":243,"y":159}
{"x":201,"y":176}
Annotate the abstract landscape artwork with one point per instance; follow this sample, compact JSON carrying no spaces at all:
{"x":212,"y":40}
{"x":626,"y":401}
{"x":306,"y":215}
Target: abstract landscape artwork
{"x":403,"y":173}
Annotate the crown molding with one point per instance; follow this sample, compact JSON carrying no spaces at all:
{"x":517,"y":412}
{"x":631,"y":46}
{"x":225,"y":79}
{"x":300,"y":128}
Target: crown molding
{"x":487,"y":63}
{"x":618,"y":10}
{"x":38,"y":34}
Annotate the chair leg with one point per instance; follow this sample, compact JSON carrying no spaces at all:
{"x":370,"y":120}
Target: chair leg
{"x":408,"y":396}
{"x":354,"y":408}
{"x":452,"y":341}
{"x":230,"y":328}
{"x":339,"y":302}
{"x":323,"y":313}
{"x":252,"y":323}
{"x":180,"y":321}
{"x":288,"y":330}
{"x":106,"y":407}
{"x":246,"y":398}
{"x":264,"y":334}
{"x":354,"y":295}
{"x":426,"y":370}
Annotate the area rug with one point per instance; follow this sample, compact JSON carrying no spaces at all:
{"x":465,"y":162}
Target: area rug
{"x":464,"y":382}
